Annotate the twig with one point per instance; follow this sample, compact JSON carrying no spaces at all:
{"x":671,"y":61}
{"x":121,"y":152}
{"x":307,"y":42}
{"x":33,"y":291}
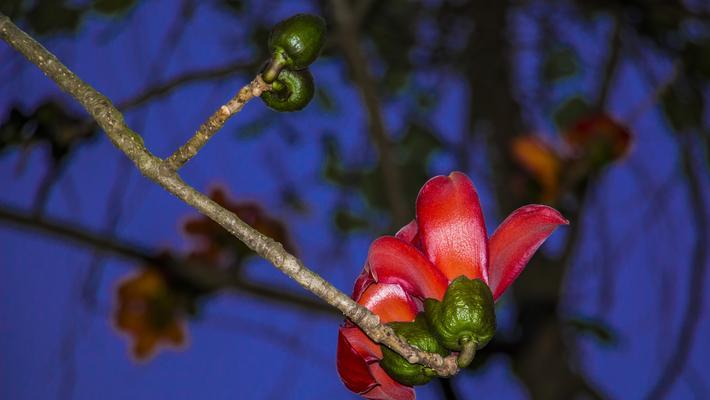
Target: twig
{"x":215,"y":122}
{"x":683,"y":345}
{"x":202,"y":276}
{"x":164,"y":88}
{"x":611,"y":65}
{"x":131,"y":144}
{"x":347,"y":34}
{"x":447,"y":389}
{"x":654,"y":95}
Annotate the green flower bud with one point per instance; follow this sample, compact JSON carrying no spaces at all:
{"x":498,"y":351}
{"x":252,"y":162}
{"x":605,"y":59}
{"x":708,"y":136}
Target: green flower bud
{"x":294,"y":44}
{"x":466,"y":314}
{"x":299,"y":39}
{"x":417,"y":334}
{"x":291,"y":91}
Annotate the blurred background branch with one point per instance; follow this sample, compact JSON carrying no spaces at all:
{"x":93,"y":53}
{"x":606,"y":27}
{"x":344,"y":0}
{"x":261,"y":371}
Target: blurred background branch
{"x":612,"y":308}
{"x":198,"y":274}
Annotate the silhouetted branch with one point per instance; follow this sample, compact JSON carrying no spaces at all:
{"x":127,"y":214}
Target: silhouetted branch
{"x":611,"y":65}
{"x":166,"y":87}
{"x":357,"y":62}
{"x":683,"y":344}
{"x":202,"y":276}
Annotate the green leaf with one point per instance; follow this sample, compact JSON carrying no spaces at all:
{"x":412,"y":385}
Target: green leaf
{"x":347,"y":221}
{"x":51,"y":124}
{"x":113,"y":6}
{"x":325,"y":100}
{"x":385,"y":18}
{"x":236,"y":6}
{"x":696,"y":58}
{"x":570,"y":111}
{"x":559,"y":63}
{"x":255,"y":128}
{"x":683,"y":105}
{"x":11,"y":8}
{"x":595,"y":328}
{"x":333,"y":168}
{"x":292,"y":199}
{"x":49,"y":16}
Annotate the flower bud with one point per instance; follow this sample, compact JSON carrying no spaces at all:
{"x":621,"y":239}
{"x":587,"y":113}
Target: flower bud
{"x":417,"y":334}
{"x":291,"y":91}
{"x":465,"y":314}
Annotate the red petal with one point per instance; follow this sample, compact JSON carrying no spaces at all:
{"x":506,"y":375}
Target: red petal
{"x":388,"y":388}
{"x":393,"y":260}
{"x":362,"y":282}
{"x":389,"y":301}
{"x":408,"y":233}
{"x":516,"y":240}
{"x":451,"y":226}
{"x":352,"y":359}
{"x":359,"y":370}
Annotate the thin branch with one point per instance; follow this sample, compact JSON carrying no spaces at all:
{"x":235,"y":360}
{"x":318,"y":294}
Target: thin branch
{"x":683,"y":345}
{"x":215,"y":122}
{"x":654,"y":96}
{"x":46,"y":186}
{"x":347,"y":35}
{"x":131,"y":144}
{"x":611,"y":65}
{"x":447,"y":389}
{"x":164,"y":88}
{"x":201,"y":276}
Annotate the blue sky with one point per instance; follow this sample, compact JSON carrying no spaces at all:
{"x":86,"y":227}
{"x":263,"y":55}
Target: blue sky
{"x":243,"y":347}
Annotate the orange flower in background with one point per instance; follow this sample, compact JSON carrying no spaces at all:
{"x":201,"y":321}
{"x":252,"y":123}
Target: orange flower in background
{"x":150,"y":313}
{"x":540,"y":160}
{"x":591,"y":144}
{"x":599,"y":138}
{"x":152,"y":308}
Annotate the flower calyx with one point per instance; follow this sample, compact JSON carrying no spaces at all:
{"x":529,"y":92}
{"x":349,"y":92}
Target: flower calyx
{"x":464,"y":320}
{"x":418,"y":334}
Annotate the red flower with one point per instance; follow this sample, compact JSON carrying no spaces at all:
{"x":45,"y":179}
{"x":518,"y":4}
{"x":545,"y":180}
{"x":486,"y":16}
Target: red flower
{"x":448,"y":239}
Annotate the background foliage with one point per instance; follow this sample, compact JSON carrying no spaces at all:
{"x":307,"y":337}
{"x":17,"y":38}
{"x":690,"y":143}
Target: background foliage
{"x":515,"y":93}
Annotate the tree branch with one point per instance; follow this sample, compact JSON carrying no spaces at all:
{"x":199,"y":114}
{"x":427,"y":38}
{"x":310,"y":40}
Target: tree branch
{"x":683,"y":345}
{"x":162,"y":89}
{"x":611,"y":64}
{"x":347,"y":35}
{"x":215,"y":122}
{"x":131,"y":144}
{"x":199,"y":275}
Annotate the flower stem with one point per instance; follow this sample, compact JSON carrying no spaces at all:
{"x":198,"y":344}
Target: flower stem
{"x":468,"y":352}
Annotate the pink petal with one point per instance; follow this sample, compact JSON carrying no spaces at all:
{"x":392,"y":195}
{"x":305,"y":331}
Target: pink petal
{"x":392,"y":260}
{"x":389,"y":301}
{"x":451,"y":226}
{"x":516,"y":240}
